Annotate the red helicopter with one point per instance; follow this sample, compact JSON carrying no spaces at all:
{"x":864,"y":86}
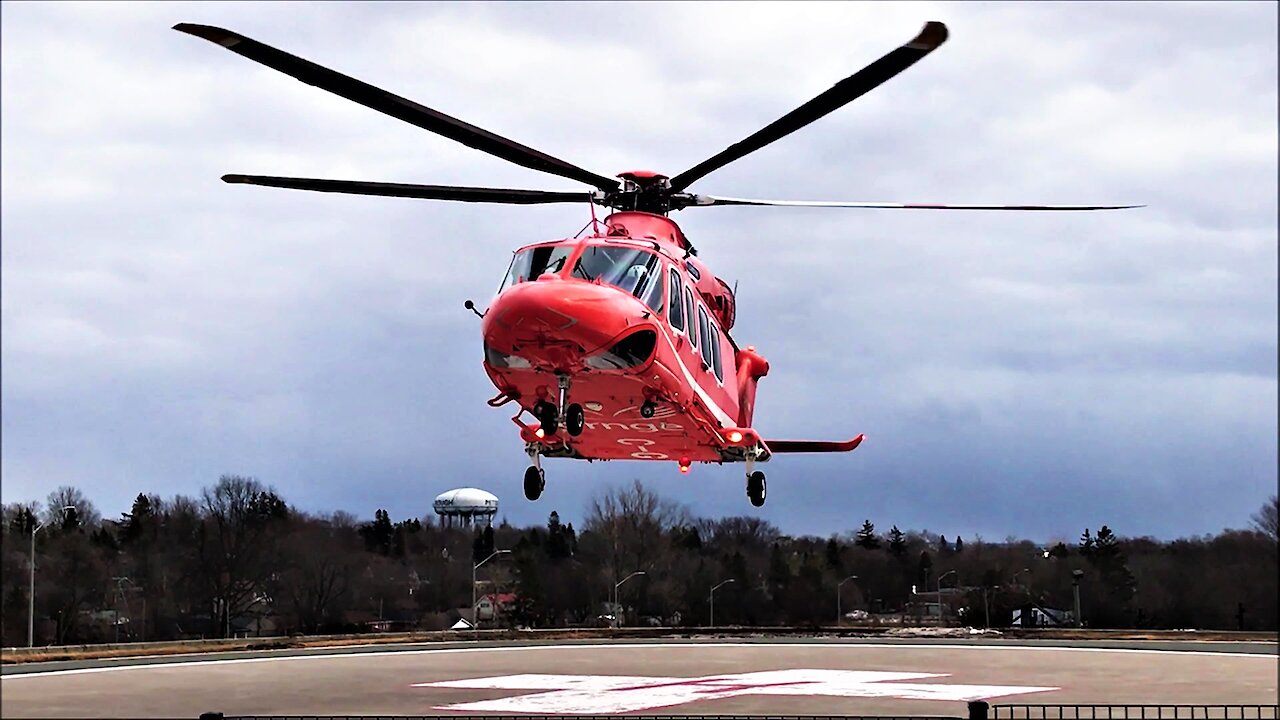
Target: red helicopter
{"x":616,"y":341}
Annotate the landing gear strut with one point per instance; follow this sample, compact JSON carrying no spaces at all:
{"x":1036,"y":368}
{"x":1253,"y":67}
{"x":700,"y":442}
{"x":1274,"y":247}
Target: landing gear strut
{"x":757,"y":488}
{"x":575,"y":419}
{"x":534,"y":478}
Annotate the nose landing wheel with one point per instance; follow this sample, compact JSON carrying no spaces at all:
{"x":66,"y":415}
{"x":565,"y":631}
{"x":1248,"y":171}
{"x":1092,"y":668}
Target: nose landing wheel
{"x":534,"y":481}
{"x":756,"y":488}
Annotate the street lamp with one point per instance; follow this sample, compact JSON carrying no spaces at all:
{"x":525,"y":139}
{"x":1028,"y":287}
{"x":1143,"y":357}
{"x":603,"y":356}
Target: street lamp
{"x":1015,"y":575}
{"x":839,"y":617}
{"x":615,"y":594}
{"x":938,"y":592}
{"x":713,"y":600}
{"x":31,"y":596}
{"x":475,"y":614}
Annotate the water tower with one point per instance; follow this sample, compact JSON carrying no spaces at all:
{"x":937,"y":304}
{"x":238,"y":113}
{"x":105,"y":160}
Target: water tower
{"x":467,"y":505}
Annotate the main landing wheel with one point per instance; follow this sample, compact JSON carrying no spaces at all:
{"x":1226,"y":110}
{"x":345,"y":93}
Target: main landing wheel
{"x":756,"y":488}
{"x":574,"y":419}
{"x":534,"y":480}
{"x":548,"y":417}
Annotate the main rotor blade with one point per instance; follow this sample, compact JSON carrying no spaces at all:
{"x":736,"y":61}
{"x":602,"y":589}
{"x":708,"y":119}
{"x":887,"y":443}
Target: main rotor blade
{"x":842,"y":93}
{"x":395,"y":106}
{"x":407,"y":190}
{"x":712,"y":200}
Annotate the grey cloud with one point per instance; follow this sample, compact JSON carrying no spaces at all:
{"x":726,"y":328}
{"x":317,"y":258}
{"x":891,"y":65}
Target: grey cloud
{"x":1015,"y":374}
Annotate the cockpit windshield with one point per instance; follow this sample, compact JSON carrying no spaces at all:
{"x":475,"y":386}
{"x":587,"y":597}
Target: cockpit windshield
{"x":535,"y":262}
{"x":630,"y":269}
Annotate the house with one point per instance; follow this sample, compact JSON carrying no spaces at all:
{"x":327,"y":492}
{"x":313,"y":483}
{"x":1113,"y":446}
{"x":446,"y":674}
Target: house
{"x":490,"y":606}
{"x":1036,"y":616}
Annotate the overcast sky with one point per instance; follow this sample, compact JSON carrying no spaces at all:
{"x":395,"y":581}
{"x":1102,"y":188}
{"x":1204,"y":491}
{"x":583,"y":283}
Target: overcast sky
{"x":1026,"y":374}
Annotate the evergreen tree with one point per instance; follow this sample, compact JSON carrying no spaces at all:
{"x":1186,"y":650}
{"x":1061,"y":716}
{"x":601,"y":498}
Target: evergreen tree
{"x":1108,"y":558}
{"x":925,"y":568}
{"x":572,"y":535}
{"x":397,"y":541}
{"x":897,"y":542}
{"x":687,"y":537}
{"x":866,"y":537}
{"x":1105,"y":546}
{"x":138,"y":517}
{"x":71,"y":519}
{"x":483,"y":545}
{"x":558,"y":546}
{"x":959,"y":544}
{"x":1059,"y":551}
{"x":833,"y":553}
{"x":378,"y":535}
{"x":944,"y":547}
{"x":266,"y":505}
{"x":779,"y":570}
{"x":1087,"y":544}
{"x":23,"y":521}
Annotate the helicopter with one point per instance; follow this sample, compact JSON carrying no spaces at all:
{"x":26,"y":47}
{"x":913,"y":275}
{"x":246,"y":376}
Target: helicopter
{"x":614,"y":342}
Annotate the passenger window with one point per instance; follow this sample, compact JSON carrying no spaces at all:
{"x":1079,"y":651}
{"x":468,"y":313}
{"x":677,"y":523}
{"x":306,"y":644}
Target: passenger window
{"x":715,"y":353}
{"x":677,"y":308}
{"x":704,"y":328}
{"x":688,"y":312}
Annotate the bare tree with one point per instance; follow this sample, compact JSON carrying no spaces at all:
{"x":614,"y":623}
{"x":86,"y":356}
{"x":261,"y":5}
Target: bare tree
{"x":235,"y":543}
{"x":628,"y":529}
{"x":318,"y":561}
{"x":1267,"y":519}
{"x":68,"y":496}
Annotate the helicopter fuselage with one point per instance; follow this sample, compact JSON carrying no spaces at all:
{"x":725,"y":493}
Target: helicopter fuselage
{"x":636,"y":329}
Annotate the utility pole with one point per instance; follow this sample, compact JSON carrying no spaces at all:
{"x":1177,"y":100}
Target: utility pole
{"x":986,"y":606}
{"x":1075,"y":591}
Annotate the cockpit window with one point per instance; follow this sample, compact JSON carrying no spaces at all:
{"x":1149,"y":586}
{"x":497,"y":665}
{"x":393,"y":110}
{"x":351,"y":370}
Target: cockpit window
{"x":535,"y":262}
{"x":632,"y":270}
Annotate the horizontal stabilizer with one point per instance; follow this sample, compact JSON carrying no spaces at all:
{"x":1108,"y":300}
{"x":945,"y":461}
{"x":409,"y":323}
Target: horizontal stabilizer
{"x":812,"y":446}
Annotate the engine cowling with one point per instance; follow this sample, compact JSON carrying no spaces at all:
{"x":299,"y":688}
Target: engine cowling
{"x":751,"y":367}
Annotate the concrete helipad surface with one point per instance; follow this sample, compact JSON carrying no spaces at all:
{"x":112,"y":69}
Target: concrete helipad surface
{"x":712,"y":678}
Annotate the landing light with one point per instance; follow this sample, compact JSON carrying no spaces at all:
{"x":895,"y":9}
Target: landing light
{"x":540,"y":433}
{"x":684,"y":465}
{"x":735,"y":436}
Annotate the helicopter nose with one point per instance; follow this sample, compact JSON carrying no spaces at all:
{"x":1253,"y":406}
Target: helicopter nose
{"x":555,"y":323}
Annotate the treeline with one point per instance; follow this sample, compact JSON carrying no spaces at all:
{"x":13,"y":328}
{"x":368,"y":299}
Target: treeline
{"x":239,"y":560}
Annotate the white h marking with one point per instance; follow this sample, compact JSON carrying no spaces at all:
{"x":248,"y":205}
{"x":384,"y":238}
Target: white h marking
{"x":607,"y":694}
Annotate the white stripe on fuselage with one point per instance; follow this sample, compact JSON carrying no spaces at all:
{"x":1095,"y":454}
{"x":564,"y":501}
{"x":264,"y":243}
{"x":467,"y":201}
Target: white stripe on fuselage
{"x":721,"y":415}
